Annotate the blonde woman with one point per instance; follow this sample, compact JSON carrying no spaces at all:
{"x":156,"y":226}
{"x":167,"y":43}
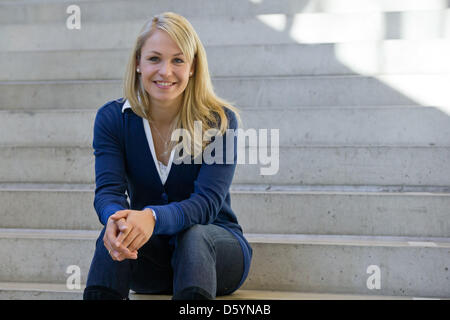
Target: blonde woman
{"x":178,"y":234}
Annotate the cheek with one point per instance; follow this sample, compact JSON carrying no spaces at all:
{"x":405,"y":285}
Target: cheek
{"x":185,"y":84}
{"x":183,"y":80}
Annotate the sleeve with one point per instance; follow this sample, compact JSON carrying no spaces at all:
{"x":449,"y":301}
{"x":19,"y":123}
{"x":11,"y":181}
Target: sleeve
{"x":210,"y":189}
{"x":110,"y":177}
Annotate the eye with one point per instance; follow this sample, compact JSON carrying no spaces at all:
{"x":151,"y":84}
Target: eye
{"x":178,"y":60}
{"x":153,"y":59}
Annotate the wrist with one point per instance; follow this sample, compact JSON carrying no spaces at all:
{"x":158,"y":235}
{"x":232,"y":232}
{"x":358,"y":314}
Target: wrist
{"x":151,"y":212}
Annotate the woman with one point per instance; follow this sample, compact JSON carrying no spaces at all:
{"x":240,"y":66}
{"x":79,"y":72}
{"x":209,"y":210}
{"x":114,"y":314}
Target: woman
{"x":178,"y":235}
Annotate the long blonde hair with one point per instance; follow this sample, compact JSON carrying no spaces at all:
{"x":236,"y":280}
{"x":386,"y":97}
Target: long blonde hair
{"x":199,"y":103}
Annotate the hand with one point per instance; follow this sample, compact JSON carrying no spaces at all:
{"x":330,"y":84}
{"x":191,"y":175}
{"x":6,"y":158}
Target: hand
{"x":113,"y":229}
{"x":137,"y":230}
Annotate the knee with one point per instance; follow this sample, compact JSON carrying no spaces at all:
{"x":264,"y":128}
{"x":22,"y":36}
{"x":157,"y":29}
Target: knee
{"x":194,"y":234}
{"x":193,"y":244}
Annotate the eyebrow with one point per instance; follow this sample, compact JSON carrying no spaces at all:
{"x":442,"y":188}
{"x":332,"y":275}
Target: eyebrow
{"x":176,"y":54}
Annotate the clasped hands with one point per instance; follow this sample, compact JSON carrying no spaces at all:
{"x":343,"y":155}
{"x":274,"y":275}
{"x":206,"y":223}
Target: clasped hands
{"x":127,"y":231}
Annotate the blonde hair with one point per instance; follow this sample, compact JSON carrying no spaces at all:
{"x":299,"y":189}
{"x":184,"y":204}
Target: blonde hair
{"x":199,"y":102}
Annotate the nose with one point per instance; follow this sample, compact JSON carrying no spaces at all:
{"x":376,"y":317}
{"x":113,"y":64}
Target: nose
{"x":165,"y":70}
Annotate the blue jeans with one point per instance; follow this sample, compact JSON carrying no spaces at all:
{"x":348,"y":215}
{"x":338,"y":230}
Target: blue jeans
{"x":207,"y":261}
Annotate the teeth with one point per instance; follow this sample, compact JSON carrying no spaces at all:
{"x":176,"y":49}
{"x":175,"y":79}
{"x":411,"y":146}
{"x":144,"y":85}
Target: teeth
{"x":164,"y":83}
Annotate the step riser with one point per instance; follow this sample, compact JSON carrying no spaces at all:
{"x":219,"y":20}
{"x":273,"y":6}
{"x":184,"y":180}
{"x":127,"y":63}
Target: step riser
{"x":94,"y":12}
{"x":57,"y":210}
{"x":344,"y":214}
{"x":248,"y":92}
{"x":313,"y":166}
{"x":39,"y":295}
{"x":408,"y":215}
{"x":29,"y":291}
{"x":258,"y":30}
{"x":305,"y":267}
{"x":340,"y":269}
{"x":325,"y":59}
{"x":100,"y":11}
{"x":400,"y":126}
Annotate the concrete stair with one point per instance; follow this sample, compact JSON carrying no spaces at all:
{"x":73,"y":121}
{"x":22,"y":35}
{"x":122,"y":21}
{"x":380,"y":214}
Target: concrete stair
{"x":409,"y":126}
{"x":38,"y":11}
{"x":334,"y":263}
{"x":304,"y":27}
{"x":370,"y":57}
{"x":257,"y":92}
{"x":45,"y":291}
{"x":357,"y":89}
{"x":325,"y":210}
{"x":327,"y":165}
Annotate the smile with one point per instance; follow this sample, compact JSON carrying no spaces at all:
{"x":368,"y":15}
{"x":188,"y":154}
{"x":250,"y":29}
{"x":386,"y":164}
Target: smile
{"x":164,"y":84}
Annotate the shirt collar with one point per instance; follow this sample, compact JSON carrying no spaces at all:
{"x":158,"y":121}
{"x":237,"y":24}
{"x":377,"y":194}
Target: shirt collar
{"x":126,"y":105}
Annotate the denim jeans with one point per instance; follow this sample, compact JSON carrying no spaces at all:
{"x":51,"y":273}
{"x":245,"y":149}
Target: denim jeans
{"x":207,"y":261}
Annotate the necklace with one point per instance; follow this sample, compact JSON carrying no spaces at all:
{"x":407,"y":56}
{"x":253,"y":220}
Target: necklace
{"x":164,"y":141}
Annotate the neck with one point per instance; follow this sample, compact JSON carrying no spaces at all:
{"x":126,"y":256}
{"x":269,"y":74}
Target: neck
{"x":164,"y":113}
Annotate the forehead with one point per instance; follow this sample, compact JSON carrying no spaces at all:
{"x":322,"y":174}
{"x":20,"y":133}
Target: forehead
{"x":160,"y":41}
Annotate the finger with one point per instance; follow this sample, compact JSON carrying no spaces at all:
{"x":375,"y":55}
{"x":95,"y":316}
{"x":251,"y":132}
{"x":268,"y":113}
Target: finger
{"x":123,"y":250}
{"x":122,"y":255}
{"x":125,"y":228}
{"x":109,"y":237}
{"x":119,"y":215}
{"x":130,"y":238}
{"x":112,"y":253}
{"x":117,"y":256}
{"x":107,"y":247}
{"x":110,"y":240}
{"x":137,"y":243}
{"x":122,"y":241}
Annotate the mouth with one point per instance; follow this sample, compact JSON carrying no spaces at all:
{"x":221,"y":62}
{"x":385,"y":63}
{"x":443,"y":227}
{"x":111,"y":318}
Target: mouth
{"x":164,"y":84}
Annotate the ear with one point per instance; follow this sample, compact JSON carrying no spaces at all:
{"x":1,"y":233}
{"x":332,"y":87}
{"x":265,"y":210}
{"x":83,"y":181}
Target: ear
{"x":138,"y":61}
{"x":194,"y":62}
{"x":137,"y":65}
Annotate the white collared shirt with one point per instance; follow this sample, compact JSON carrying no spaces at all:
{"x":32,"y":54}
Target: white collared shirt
{"x":163,"y":170}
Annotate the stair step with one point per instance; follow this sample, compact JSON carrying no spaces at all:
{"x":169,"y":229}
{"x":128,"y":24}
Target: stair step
{"x":34,"y":12}
{"x":248,"y":92}
{"x":260,"y":29}
{"x":419,"y":211}
{"x":310,"y":165}
{"x":368,"y":58}
{"x":51,"y":291}
{"x":334,"y":126}
{"x":408,"y":266}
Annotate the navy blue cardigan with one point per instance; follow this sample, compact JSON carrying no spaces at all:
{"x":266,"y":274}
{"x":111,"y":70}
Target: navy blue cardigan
{"x":192,"y":194}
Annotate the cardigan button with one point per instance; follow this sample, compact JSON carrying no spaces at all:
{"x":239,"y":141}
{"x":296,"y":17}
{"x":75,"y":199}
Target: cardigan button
{"x":165,"y":197}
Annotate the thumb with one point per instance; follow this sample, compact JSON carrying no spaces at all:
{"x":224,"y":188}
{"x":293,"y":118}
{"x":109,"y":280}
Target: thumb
{"x":119,"y":215}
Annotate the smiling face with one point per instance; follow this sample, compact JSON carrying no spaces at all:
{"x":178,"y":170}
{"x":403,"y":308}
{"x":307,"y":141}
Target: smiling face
{"x":164,"y":69}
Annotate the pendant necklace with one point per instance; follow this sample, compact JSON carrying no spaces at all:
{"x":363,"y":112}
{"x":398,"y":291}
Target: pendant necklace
{"x":164,"y":141}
